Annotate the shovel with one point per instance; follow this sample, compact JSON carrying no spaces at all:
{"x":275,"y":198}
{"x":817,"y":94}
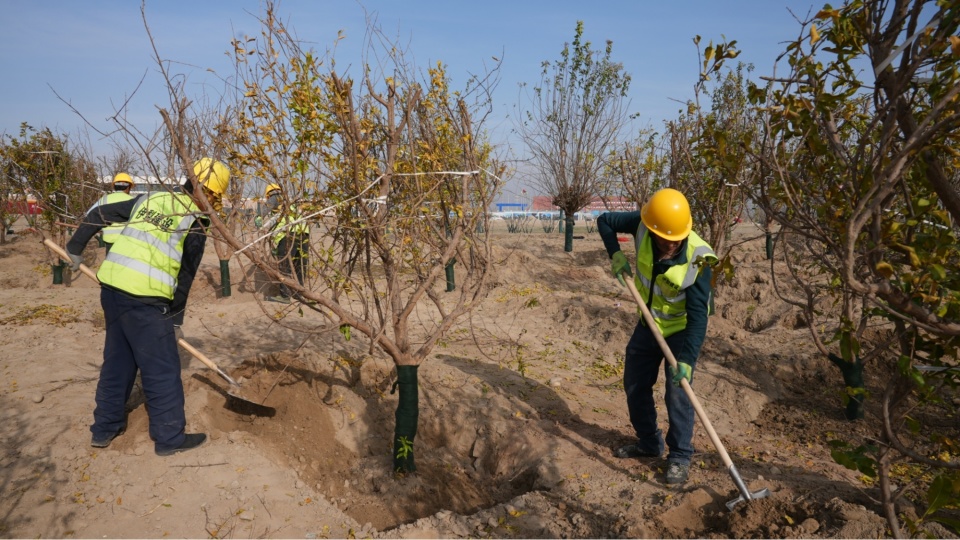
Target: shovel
{"x":233,"y":390}
{"x":745,"y":494}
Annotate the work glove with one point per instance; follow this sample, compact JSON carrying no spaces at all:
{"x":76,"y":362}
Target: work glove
{"x":682,"y":371}
{"x":258,"y":222}
{"x":177,"y":332}
{"x":75,"y":261}
{"x":620,"y":266}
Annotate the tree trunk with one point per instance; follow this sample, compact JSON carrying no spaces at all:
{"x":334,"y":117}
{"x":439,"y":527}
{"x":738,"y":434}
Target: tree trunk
{"x":451,"y":276}
{"x":568,"y":235}
{"x":225,"y":278}
{"x":408,"y":414}
{"x":853,"y":381}
{"x":58,"y":272}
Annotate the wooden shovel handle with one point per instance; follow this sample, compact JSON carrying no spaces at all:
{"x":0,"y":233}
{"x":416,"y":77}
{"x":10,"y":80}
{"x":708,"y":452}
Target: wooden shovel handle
{"x":206,"y":361}
{"x":655,"y":330}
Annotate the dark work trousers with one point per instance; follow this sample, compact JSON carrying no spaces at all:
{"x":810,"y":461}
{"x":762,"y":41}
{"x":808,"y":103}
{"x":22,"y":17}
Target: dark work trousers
{"x":139,"y":337}
{"x":292,"y":252}
{"x":641,"y":368}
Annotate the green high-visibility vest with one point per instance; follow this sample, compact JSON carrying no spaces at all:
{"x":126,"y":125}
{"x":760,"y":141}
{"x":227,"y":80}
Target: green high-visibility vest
{"x":110,"y":232}
{"x":669,"y":302}
{"x":146,"y":256}
{"x":292,"y":215}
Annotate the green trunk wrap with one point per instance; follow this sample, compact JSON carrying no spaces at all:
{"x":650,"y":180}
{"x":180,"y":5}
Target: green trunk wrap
{"x":225,"y":277}
{"x":58,"y":272}
{"x":853,"y":380}
{"x":408,"y":414}
{"x":451,"y":279}
{"x":568,"y":236}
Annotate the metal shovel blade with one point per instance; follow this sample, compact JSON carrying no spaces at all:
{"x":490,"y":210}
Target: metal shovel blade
{"x":745,"y":494}
{"x":234,"y":389}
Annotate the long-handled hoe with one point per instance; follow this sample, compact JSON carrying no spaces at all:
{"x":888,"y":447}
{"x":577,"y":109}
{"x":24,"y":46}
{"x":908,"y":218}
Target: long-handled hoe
{"x":745,"y":494}
{"x":234,"y":389}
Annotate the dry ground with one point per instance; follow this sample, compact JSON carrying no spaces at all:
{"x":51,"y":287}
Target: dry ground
{"x":520,"y":408}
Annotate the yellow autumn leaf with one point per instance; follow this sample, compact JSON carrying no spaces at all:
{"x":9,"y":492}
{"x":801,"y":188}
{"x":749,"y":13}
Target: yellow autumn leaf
{"x":954,"y":45}
{"x":885,"y":269}
{"x":814,"y":34}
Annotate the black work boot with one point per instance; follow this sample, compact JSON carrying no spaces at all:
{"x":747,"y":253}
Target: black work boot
{"x":190,"y":441}
{"x":103,"y":442}
{"x":677,"y":472}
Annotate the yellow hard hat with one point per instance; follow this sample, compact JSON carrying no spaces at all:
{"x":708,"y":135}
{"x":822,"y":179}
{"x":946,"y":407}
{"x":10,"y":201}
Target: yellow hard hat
{"x":212,"y":175}
{"x":122,"y":178}
{"x":667,"y":214}
{"x":270,"y":189}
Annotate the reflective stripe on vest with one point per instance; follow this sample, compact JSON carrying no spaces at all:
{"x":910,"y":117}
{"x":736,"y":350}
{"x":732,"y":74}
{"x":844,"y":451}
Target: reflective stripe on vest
{"x":111,"y":232}
{"x":299,"y":228}
{"x":669,"y":302}
{"x":145,"y":258}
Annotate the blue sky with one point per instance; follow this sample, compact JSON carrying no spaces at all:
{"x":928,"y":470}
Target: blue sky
{"x":94,"y":53}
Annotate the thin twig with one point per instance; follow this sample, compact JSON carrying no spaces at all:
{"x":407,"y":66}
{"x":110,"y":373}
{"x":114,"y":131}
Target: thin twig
{"x":154,"y":508}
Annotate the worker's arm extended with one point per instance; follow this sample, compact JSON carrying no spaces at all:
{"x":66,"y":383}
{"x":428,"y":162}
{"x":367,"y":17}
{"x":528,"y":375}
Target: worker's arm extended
{"x":610,"y":224}
{"x":97,"y":218}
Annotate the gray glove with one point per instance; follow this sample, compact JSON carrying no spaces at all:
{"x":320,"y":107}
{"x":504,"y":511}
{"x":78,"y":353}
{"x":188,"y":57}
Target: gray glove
{"x":177,"y":332}
{"x":75,"y":261}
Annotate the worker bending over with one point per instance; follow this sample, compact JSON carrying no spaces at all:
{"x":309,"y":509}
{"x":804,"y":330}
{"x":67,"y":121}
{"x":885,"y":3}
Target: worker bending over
{"x":145,"y":280}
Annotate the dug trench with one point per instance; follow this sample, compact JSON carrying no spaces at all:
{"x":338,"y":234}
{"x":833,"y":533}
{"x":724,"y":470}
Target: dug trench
{"x":332,"y":423}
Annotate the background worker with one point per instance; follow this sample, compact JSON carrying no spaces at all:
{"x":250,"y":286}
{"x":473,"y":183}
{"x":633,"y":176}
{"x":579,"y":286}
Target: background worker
{"x":673,"y":278}
{"x":290,"y":243}
{"x":122,"y":184}
{"x":145,"y":280}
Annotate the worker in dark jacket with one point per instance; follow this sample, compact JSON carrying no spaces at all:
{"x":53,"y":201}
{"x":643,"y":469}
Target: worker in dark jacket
{"x":673,"y":278}
{"x":145,"y":280}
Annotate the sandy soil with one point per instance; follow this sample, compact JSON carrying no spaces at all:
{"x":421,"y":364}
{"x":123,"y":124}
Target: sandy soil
{"x":520,"y":408}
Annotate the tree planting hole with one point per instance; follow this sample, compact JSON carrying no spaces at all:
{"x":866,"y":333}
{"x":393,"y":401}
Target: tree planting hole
{"x":334,"y":428}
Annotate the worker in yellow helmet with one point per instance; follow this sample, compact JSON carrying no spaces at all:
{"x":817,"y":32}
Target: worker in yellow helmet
{"x":145,"y":280}
{"x":291,"y":241}
{"x":122,"y":184}
{"x":673,"y":277}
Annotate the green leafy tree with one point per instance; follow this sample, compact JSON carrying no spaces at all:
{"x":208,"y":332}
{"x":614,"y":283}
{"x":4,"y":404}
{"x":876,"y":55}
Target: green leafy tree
{"x":707,"y":145}
{"x":862,"y":182}
{"x":572,"y":121}
{"x":42,"y":164}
